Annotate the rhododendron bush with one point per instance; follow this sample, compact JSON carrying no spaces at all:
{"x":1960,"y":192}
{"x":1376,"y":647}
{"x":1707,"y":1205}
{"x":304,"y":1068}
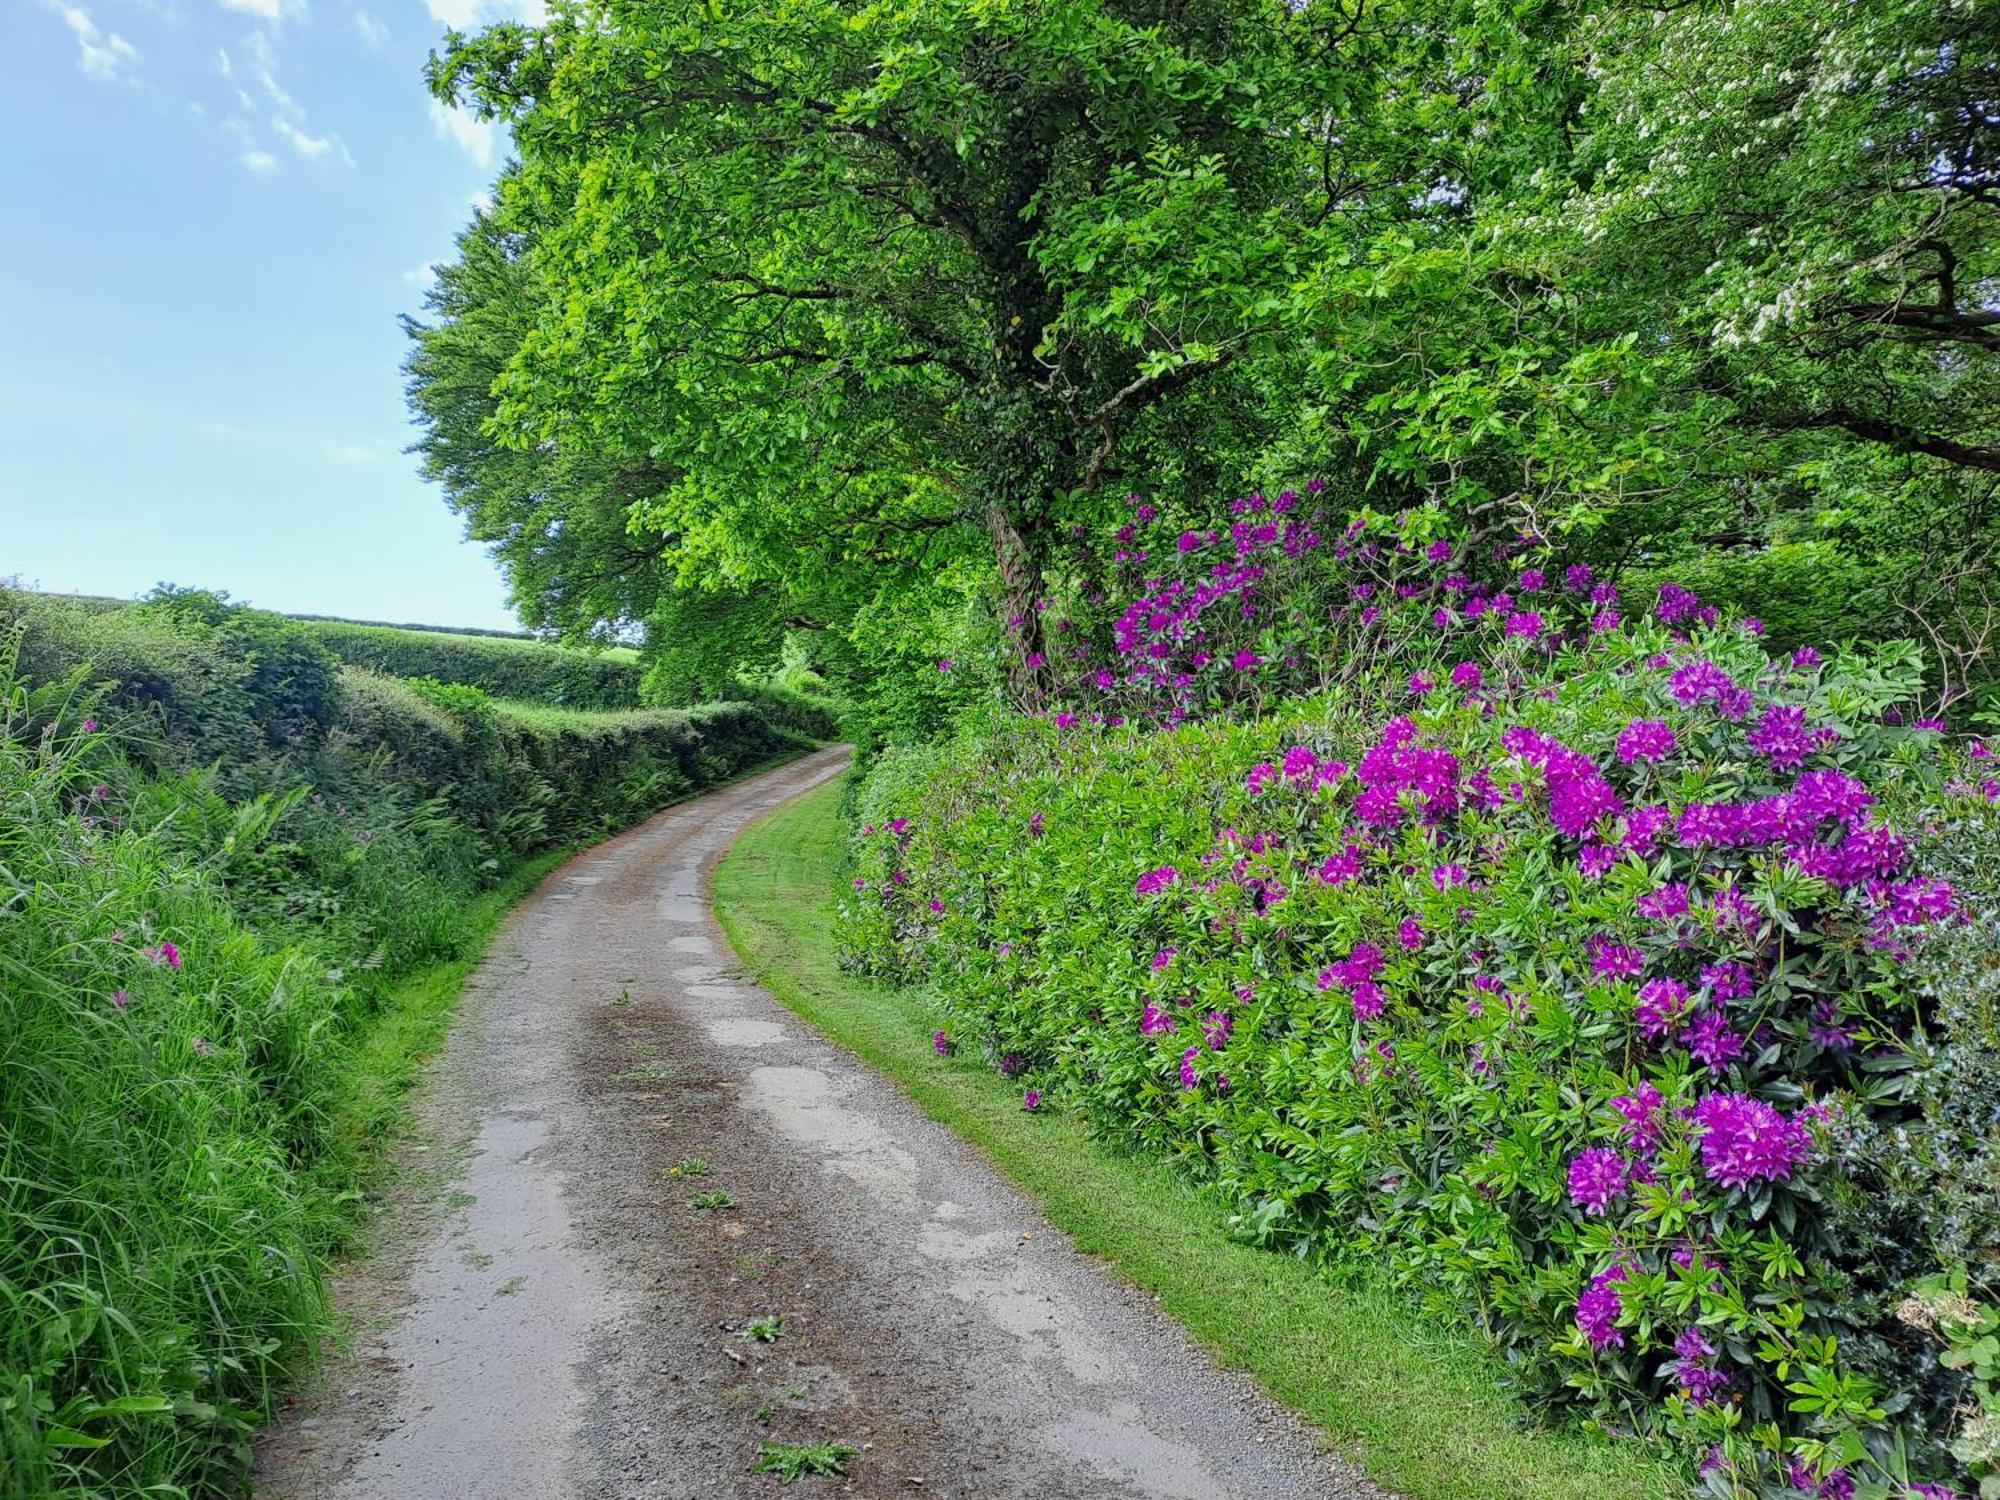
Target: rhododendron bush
{"x":1552,"y":950}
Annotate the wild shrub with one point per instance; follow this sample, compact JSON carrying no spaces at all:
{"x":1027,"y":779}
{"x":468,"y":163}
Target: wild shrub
{"x":211,"y":877}
{"x":1577,"y":966}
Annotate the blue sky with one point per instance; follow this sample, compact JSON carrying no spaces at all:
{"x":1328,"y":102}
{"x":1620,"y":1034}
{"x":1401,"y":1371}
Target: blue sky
{"x":215,"y":211}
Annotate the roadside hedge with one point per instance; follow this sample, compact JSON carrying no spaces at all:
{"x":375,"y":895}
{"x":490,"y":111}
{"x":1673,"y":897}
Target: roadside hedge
{"x":531,"y":671}
{"x":220,"y":852}
{"x":1607,"y":978}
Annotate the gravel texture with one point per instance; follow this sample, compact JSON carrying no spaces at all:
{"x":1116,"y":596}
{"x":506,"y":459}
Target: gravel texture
{"x":548,"y":1318}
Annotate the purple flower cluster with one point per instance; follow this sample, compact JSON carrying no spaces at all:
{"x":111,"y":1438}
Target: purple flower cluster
{"x":1640,"y":1116}
{"x":1598,"y":1178}
{"x":1396,"y":765}
{"x":1693,"y":1369}
{"x":1599,"y":1308}
{"x":1746,"y":1140}
{"x":1578,"y":793}
{"x":1646,"y":739}
{"x":1357,"y":975}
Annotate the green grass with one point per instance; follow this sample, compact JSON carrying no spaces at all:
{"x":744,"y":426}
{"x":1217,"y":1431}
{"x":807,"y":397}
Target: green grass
{"x":1419,"y":1404}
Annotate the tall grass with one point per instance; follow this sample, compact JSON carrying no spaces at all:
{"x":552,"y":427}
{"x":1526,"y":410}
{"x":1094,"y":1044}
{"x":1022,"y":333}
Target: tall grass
{"x":202,"y":942}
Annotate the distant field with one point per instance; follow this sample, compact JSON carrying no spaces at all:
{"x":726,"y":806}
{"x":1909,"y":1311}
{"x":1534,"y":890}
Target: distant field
{"x":516,"y":667}
{"x":511,"y":665}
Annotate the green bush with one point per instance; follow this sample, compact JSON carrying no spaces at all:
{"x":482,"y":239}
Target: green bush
{"x":1598,"y":976}
{"x":503,"y":666}
{"x":217,"y":857}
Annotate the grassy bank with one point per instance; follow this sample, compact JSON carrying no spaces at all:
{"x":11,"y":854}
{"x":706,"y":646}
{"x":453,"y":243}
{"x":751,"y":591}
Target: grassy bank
{"x":1422,"y":1409}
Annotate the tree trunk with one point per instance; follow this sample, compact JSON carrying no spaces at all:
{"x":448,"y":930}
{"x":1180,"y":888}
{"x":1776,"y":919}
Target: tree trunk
{"x":1019,"y":564}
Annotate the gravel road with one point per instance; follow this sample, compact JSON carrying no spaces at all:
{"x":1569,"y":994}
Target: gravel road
{"x":548,"y":1317}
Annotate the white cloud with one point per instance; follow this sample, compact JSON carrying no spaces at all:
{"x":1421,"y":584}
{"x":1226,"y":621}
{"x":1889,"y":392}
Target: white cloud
{"x":374,"y":35}
{"x":311,"y":147}
{"x":222,"y":63}
{"x":421,"y":276}
{"x":260,"y":161}
{"x":464,"y":15}
{"x":477,"y":138}
{"x":264,"y":10}
{"x":100,"y":53}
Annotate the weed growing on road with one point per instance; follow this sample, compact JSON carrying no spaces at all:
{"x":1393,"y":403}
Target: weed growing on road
{"x":716,"y":1199}
{"x":765,"y":1330}
{"x":790,"y":1461}
{"x":688,"y":1166}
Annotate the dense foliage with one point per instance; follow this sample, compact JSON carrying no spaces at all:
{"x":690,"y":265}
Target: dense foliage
{"x":850,"y":319}
{"x":525,"y":670}
{"x":220,"y":851}
{"x":1598,"y":973}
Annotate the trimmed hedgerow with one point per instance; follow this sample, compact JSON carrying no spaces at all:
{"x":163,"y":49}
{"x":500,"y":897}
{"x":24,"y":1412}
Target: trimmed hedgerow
{"x":532,"y":671}
{"x":1582,"y":969}
{"x":218,"y":854}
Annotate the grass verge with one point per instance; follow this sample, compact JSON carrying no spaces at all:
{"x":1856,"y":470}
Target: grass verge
{"x":1419,"y":1405}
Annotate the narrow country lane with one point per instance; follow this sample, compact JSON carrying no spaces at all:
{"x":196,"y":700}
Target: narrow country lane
{"x":550,"y":1318}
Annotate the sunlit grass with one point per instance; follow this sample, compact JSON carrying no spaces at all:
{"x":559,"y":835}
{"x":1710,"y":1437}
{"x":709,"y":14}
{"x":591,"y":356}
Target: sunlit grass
{"x":1419,"y":1403}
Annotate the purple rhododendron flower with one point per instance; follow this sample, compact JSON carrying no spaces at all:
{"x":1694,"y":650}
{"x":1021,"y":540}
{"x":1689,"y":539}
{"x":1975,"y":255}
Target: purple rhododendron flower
{"x":1663,"y":1003}
{"x":1609,"y":960}
{"x":1597,"y":1179}
{"x":940,"y":1044}
{"x":1410,"y":934}
{"x":1694,"y":1370}
{"x":1645,"y":739}
{"x":1032,"y":1100}
{"x":1712,"y":1043}
{"x":1598,"y":1310}
{"x":1156,"y":880}
{"x":1467,"y":675}
{"x":1782,"y":737}
{"x":1215,"y":1028}
{"x":1729,"y":981}
{"x":1189,"y":1077}
{"x":1640,"y":1123}
{"x":1699,"y":683}
{"x":1154,"y":1021}
{"x":1746,"y":1140}
{"x":1665,"y":904}
{"x":1164,"y":957}
{"x":1339,"y":869}
{"x":1677,"y":605}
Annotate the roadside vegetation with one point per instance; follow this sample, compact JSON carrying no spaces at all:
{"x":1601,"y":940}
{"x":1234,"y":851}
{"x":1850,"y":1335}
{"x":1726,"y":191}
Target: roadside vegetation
{"x":242,"y":883}
{"x":1610,"y":983}
{"x":1419,"y":1401}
